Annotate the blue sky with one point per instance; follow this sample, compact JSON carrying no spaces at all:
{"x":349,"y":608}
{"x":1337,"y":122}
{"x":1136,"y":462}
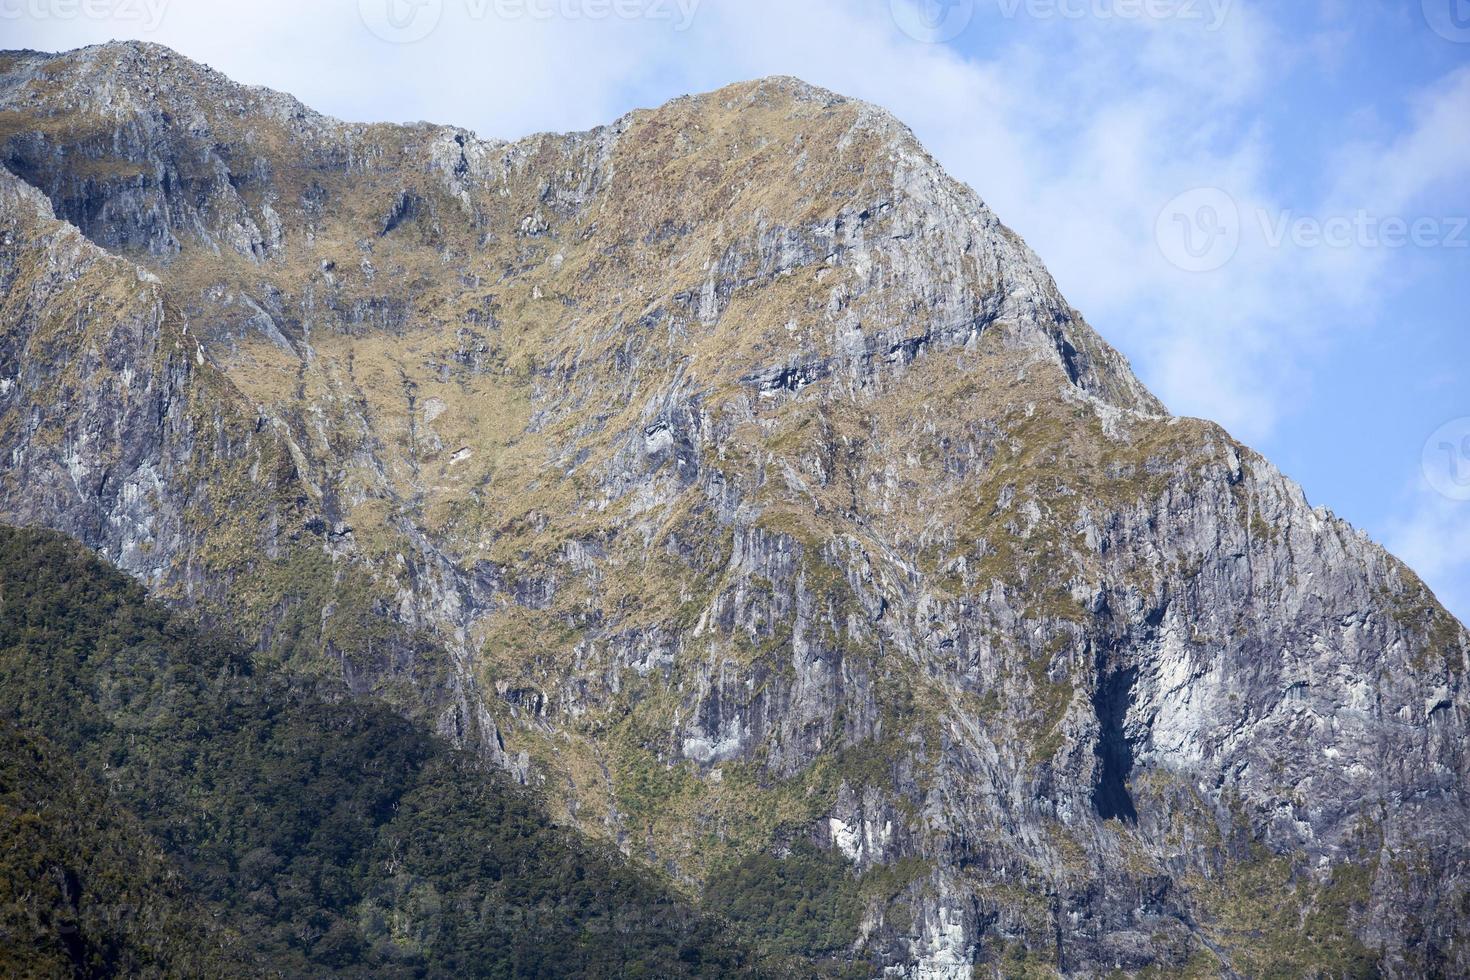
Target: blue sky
{"x":1262,"y":203}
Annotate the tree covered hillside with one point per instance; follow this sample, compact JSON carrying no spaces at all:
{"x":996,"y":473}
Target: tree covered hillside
{"x":166,"y":808}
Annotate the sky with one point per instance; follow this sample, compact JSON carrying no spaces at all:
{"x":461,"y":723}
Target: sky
{"x":1263,"y":204}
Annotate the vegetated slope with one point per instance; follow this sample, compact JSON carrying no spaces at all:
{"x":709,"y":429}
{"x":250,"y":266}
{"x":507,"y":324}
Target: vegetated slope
{"x":735,"y":475}
{"x":84,"y":890}
{"x":167,"y":809}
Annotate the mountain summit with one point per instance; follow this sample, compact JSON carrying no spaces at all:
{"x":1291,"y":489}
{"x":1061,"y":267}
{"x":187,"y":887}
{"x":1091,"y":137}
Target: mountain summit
{"x":732,"y":476}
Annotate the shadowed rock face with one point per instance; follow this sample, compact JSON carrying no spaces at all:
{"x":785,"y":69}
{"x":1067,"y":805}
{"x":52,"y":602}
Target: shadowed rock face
{"x":1113,"y":700}
{"x":735,"y":475}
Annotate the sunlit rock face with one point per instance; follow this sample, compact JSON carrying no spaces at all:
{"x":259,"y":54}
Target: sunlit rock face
{"x":734,"y":476}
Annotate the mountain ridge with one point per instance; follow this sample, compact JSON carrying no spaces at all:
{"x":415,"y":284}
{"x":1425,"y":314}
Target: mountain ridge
{"x":140,"y":56}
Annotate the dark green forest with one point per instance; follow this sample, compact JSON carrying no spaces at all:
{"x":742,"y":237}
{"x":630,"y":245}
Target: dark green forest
{"x":167,"y":808}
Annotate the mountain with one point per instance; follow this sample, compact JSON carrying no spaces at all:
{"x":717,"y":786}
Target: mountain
{"x":734,"y":478}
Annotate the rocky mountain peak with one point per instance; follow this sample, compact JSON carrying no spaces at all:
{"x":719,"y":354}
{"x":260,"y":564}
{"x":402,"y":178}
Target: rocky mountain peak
{"x":123,"y":78}
{"x":869,"y":199}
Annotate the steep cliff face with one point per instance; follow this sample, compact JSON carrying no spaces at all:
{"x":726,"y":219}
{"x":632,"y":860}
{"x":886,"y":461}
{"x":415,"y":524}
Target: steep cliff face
{"x":736,"y":476}
{"x":120,"y":431}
